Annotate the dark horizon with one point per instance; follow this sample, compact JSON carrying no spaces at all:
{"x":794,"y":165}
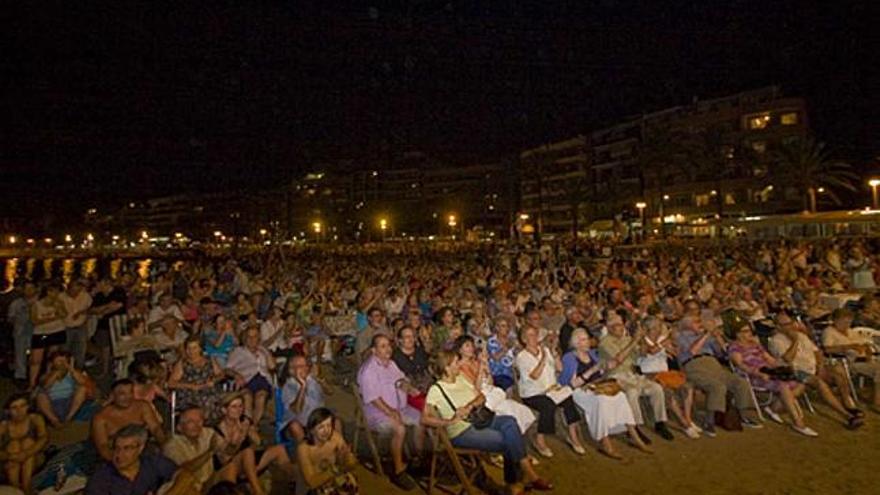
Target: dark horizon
{"x":109,"y":102}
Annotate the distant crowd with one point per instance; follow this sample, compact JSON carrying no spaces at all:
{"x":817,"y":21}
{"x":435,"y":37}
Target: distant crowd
{"x":209,"y":373}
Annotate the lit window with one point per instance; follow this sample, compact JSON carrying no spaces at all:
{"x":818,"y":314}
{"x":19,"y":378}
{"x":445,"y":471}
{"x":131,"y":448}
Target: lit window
{"x":729,"y":199}
{"x":701,"y":199}
{"x":789,"y":118}
{"x":759,"y":121}
{"x":759,"y":146}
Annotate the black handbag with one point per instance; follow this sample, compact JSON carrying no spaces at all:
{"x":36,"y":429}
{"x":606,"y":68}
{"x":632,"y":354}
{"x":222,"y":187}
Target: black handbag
{"x":480,"y":417}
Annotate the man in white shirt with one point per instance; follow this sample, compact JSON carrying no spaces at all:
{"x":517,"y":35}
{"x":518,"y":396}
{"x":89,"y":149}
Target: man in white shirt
{"x":166,"y":307}
{"x":77,"y":303}
{"x":795,"y":348}
{"x":272,"y":331}
{"x":252,"y":366}
{"x":839,"y":338}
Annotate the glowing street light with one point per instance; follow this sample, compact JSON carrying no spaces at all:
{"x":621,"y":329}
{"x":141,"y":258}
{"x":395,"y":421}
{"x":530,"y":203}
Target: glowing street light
{"x":821,"y":190}
{"x":874,"y":183}
{"x":90,"y":237}
{"x":178,"y":235}
{"x":452,"y":221}
{"x":316,"y":226}
{"x":383,"y":224}
{"x":523,"y":216}
{"x":641,"y":206}
{"x":145,"y":235}
{"x":217,"y":233}
{"x":12,"y":239}
{"x":263,"y":232}
{"x":68,"y":238}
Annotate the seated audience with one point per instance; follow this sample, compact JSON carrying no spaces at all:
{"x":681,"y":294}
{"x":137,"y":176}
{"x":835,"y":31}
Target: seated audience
{"x":413,"y":362}
{"x":238,"y":433}
{"x":301,"y":393}
{"x":384,"y":390}
{"x":63,"y":391}
{"x":195,"y":378}
{"x":501,"y":348}
{"x":252,"y":366}
{"x":538,"y":389}
{"x":697,"y":355}
{"x":220,"y":339}
{"x":839,"y":338}
{"x":325,"y":459}
{"x":747,"y":354}
{"x":449,"y":402}
{"x":23,"y":438}
{"x":476,"y":370}
{"x":606,"y":414}
{"x":618,"y":351}
{"x":123,"y":410}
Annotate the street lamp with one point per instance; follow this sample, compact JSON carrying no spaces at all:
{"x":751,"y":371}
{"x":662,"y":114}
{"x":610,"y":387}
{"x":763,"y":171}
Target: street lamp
{"x":12,"y":239}
{"x":316,"y":226}
{"x":641,"y":206}
{"x":874,"y":183}
{"x":383,"y":226}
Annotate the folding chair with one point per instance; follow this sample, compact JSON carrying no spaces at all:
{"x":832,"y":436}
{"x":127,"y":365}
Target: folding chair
{"x":467,"y":464}
{"x":815,"y":330}
{"x":360,"y":422}
{"x":121,"y":358}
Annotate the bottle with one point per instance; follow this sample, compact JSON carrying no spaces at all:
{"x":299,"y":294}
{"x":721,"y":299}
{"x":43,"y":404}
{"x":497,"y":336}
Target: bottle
{"x":60,"y":478}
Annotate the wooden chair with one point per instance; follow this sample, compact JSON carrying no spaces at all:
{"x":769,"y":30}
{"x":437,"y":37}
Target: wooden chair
{"x":360,"y":422}
{"x":466,"y":463}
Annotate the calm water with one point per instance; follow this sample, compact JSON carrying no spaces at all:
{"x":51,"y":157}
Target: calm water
{"x":40,"y":269}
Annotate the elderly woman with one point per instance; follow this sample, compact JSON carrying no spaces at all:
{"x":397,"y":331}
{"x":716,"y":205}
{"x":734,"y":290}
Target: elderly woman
{"x":476,"y":370}
{"x":195,"y":378}
{"x":606,"y":414}
{"x":501,"y":349}
{"x":450,"y":400}
{"x":538,"y":389}
{"x":747,"y":353}
{"x":22,"y":437}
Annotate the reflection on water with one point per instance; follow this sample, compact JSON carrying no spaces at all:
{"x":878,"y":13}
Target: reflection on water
{"x":40,"y":269}
{"x":143,"y":270}
{"x":10,"y":271}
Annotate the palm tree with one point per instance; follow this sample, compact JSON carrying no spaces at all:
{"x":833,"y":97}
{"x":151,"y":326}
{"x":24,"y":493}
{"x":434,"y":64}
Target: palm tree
{"x":805,"y":163}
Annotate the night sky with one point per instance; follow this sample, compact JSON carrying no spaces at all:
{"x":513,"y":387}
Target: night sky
{"x":103,"y":101}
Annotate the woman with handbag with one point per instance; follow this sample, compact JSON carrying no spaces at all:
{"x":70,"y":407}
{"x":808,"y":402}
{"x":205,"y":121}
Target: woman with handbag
{"x":747,"y":354}
{"x":476,"y":370}
{"x":454,"y":404}
{"x":603,"y":402}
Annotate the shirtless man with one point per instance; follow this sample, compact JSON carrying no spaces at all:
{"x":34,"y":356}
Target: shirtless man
{"x":324,"y":455}
{"x":123,"y":410}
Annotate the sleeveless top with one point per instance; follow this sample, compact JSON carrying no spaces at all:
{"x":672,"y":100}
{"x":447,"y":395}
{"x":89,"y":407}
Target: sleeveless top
{"x":43,"y":311}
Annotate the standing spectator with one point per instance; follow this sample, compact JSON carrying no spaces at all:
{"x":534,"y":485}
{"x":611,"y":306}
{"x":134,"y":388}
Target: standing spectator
{"x":19,"y":315}
{"x":47,"y":315}
{"x":77,"y":303}
{"x":107,"y":302}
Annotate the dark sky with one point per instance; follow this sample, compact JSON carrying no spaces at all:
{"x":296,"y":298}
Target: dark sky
{"x":104,"y":100}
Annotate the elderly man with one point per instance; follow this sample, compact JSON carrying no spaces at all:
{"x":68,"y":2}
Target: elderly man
{"x":193,"y":445}
{"x":697,"y":351}
{"x":793,"y":346}
{"x":166,"y":308}
{"x":123,"y":410}
{"x":618,"y":352}
{"x":252,"y":366}
{"x":840,"y":338}
{"x":130,"y":470}
{"x":384,"y":390}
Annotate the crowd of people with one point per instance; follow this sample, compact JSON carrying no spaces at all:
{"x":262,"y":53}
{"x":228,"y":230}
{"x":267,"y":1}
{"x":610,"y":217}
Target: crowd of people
{"x":487,"y":344}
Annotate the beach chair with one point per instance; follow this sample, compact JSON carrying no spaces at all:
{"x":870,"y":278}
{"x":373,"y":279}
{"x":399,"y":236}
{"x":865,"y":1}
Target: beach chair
{"x":360,"y":422}
{"x":815,"y":329}
{"x":467,"y":464}
{"x":121,"y":356}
